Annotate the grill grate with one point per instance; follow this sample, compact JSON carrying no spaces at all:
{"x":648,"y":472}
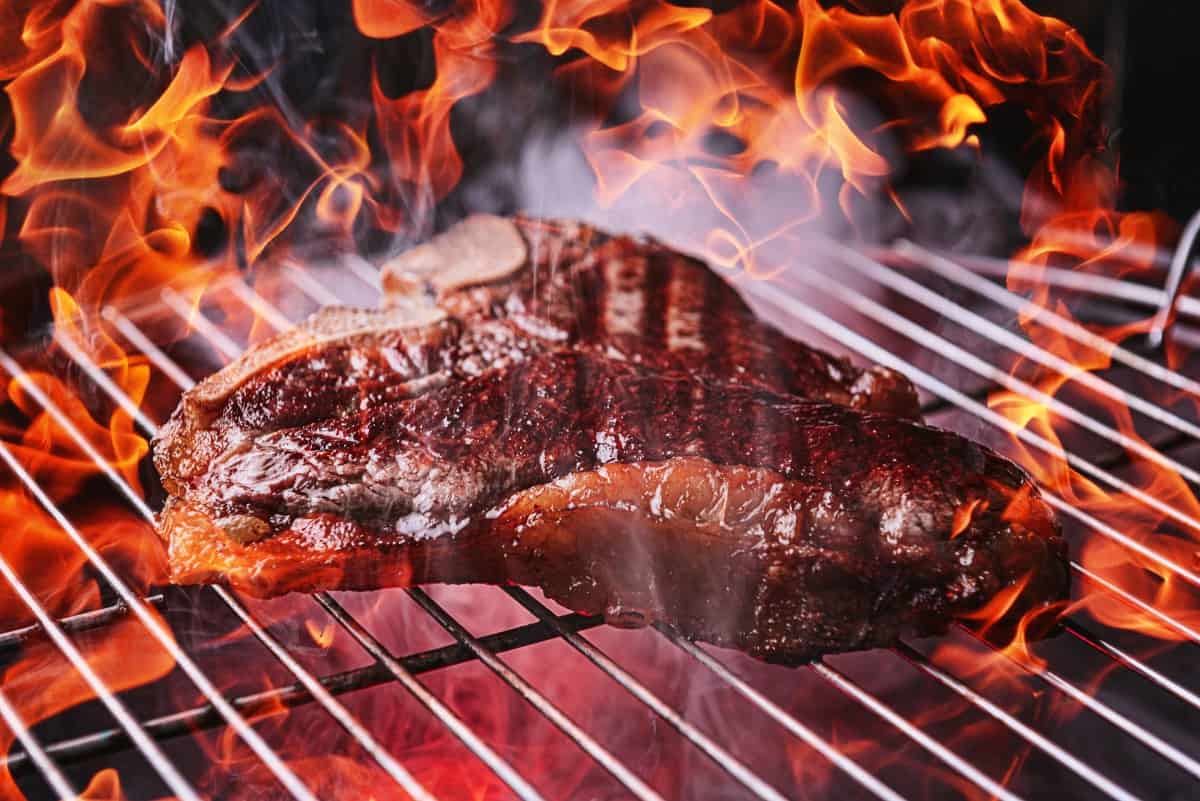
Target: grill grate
{"x":888,"y":272}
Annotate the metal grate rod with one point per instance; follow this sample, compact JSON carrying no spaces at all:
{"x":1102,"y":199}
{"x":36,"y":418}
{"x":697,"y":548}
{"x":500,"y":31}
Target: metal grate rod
{"x":1030,"y":735}
{"x":1127,"y":726}
{"x":535,"y":699}
{"x":251,"y":737}
{"x":310,"y":683}
{"x":191,"y":315}
{"x":719,"y":756}
{"x":1131,"y":662}
{"x":101,"y":378}
{"x":92,"y":619}
{"x":957,"y":763}
{"x":310,"y":286}
{"x":365,"y":272}
{"x":497,"y":764}
{"x":943,"y":347}
{"x":322,"y":696}
{"x":951,"y":271}
{"x":1181,"y":265}
{"x":1141,"y":606}
{"x":972,"y":321}
{"x":45,"y":765}
{"x":259,"y":305}
{"x":850,"y":339}
{"x":871,"y":350}
{"x":1090,"y":283}
{"x":292,"y":695}
{"x":147,"y":348}
{"x":180,"y":786}
{"x":843,"y":762}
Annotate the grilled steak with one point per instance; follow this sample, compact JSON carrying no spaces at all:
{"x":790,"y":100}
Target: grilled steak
{"x":605,"y":419}
{"x":780,"y":526}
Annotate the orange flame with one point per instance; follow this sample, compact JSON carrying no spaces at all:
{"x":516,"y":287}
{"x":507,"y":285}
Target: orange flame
{"x":321,"y":635}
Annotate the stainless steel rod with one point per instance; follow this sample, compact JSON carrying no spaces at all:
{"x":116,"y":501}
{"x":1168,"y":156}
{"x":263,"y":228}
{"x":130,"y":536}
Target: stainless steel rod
{"x":1178,"y":626}
{"x":101,"y":378}
{"x":947,"y":349}
{"x":187,"y":721}
{"x":322,"y":696}
{"x":145,"y":346}
{"x":961,"y":766}
{"x":310,"y":286}
{"x":617,"y":769}
{"x":946,"y":267}
{"x":1128,"y":727}
{"x":855,"y":341}
{"x":91,"y":619}
{"x":972,"y":321}
{"x":952,"y":311}
{"x":50,"y":771}
{"x":329,"y":703}
{"x":851,"y":768}
{"x":181,"y":787}
{"x":1131,"y":662}
{"x":220,"y":341}
{"x":1014,"y":724}
{"x":135,"y":604}
{"x":497,"y":764}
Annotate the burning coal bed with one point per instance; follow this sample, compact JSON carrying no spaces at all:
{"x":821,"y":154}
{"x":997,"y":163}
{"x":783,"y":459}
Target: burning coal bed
{"x":928,"y":189}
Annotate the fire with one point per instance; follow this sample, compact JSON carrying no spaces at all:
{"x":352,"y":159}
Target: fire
{"x":321,"y":635}
{"x":964,"y":514}
{"x":741,"y":130}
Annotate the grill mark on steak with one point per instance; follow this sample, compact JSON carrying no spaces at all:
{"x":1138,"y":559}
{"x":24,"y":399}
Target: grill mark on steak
{"x":564,"y":294}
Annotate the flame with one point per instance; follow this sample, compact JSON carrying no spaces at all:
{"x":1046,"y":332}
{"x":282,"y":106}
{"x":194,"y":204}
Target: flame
{"x":321,"y":635}
{"x":384,"y":19}
{"x":415,"y":128}
{"x":697,"y":74}
{"x":964,"y":514}
{"x":106,"y":786}
{"x":42,"y":684}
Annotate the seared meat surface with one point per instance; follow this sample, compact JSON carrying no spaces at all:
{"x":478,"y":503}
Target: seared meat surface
{"x":632,"y":298}
{"x":474,"y":433}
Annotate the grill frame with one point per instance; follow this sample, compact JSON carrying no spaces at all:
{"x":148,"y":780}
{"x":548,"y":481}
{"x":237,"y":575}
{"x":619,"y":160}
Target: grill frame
{"x":389,"y":668}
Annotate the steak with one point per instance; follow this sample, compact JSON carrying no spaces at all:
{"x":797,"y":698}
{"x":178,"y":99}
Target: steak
{"x":780,"y":526}
{"x":604,"y":418}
